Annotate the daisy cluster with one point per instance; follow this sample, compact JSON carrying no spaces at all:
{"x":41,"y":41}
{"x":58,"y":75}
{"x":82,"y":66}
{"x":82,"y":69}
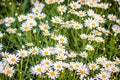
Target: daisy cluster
{"x":44,"y":42}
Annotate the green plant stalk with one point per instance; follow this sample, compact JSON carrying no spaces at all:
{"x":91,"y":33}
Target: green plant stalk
{"x":21,"y":63}
{"x":9,"y":41}
{"x":27,"y":63}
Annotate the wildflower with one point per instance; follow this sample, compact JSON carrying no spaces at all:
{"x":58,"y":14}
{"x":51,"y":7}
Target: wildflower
{"x":59,"y":1}
{"x":114,"y":68}
{"x":45,"y":52}
{"x":70,"y":66}
{"x":103,"y":76}
{"x":89,"y":47}
{"x":46,"y":61}
{"x":41,"y":15}
{"x":93,"y":66}
{"x":95,"y":32}
{"x":100,"y":60}
{"x":111,"y":17}
{"x":81,"y":13}
{"x":46,"y":33}
{"x":77,"y":26}
{"x":37,"y":69}
{"x":4,"y":54}
{"x":31,"y":16}
{"x":22,"y":53}
{"x":62,"y":8}
{"x":36,"y":10}
{"x":61,"y":57}
{"x":44,"y":27}
{"x":9,"y":20}
{"x":75,"y":5}
{"x":60,"y":51}
{"x":50,"y":1}
{"x":53,"y":74}
{"x":117,"y":61}
{"x":77,"y":65}
{"x":60,"y":46}
{"x":83,"y":72}
{"x":103,"y":5}
{"x":84,"y":54}
{"x":99,"y":19}
{"x":91,"y":13}
{"x":9,"y":71}
{"x":62,"y":39}
{"x":56,"y":19}
{"x":72,"y":55}
{"x":34,"y":50}
{"x":31,"y":22}
{"x":12,"y":59}
{"x":83,"y":36}
{"x":25,"y":27}
{"x":21,"y":17}
{"x":91,"y":37}
{"x":39,"y":5}
{"x":11,"y":30}
{"x":100,"y":29}
{"x":58,"y":65}
{"x":99,"y":39}
{"x":91,"y":3}
{"x":116,"y":29}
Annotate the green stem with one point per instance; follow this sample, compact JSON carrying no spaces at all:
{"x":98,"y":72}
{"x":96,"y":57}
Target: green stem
{"x":21,"y":62}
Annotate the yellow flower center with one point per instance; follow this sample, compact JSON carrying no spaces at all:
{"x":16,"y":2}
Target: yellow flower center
{"x":74,"y":5}
{"x":52,"y":73}
{"x":26,"y":28}
{"x":93,"y":66}
{"x":47,"y":62}
{"x":13,"y":59}
{"x":113,"y":69}
{"x":62,"y":39}
{"x":39,"y":69}
{"x":8,"y":71}
{"x":104,"y":76}
{"x":22,"y":54}
{"x":34,"y":50}
{"x":58,"y":66}
{"x":46,"y":52}
{"x":82,"y":72}
{"x":9,"y":20}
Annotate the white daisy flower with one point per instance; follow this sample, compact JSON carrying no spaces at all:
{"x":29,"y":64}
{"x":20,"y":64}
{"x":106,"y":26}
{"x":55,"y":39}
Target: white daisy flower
{"x":93,"y":66}
{"x":12,"y":59}
{"x":89,"y":47}
{"x":59,"y":1}
{"x":58,"y":65}
{"x":37,"y":69}
{"x":22,"y":53}
{"x":62,"y":39}
{"x":9,"y":71}
{"x":52,"y":74}
{"x":11,"y":30}
{"x":84,"y":54}
{"x":56,"y":19}
{"x":75,"y":5}
{"x":34,"y":50}
{"x":50,"y":1}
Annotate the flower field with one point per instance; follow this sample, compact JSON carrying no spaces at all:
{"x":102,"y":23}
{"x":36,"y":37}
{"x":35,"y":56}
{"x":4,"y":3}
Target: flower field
{"x":60,"y":40}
